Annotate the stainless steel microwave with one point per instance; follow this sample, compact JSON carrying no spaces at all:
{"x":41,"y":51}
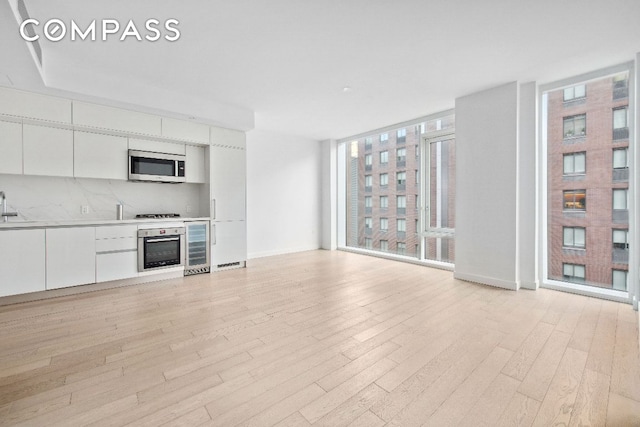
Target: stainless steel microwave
{"x":156,"y":167}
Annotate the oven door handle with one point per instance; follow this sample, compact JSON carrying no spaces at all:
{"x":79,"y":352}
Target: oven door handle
{"x":168,"y":239}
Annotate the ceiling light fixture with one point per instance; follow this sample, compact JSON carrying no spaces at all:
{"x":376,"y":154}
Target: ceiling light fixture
{"x":347,"y":89}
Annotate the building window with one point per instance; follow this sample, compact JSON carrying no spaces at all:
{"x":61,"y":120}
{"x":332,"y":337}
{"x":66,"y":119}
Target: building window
{"x":368,"y":243}
{"x":402,"y":248}
{"x":401,"y":225}
{"x":621,"y":123}
{"x":368,"y":143}
{"x":384,"y":157}
{"x":574,"y":273}
{"x":417,"y":151}
{"x":368,"y":159}
{"x":368,"y":202}
{"x":384,"y":202}
{"x":384,"y":245}
{"x":574,"y":163}
{"x":401,"y":201}
{"x":417,"y":177}
{"x":621,"y":158}
{"x":619,"y":279}
{"x":384,"y":137}
{"x":417,"y":202}
{"x":384,"y":179}
{"x":574,"y":237}
{"x":417,"y":226}
{"x":401,"y":178}
{"x":384,"y":224}
{"x":368,"y":181}
{"x":621,"y":239}
{"x":620,"y":199}
{"x":368,"y":223}
{"x":575,"y":126}
{"x":575,"y":200}
{"x":401,"y":135}
{"x":621,"y":86}
{"x":401,"y":155}
{"x":575,"y":92}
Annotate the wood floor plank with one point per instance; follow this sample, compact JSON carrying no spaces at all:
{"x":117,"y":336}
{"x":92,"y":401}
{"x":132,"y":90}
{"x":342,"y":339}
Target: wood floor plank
{"x":340,"y":338}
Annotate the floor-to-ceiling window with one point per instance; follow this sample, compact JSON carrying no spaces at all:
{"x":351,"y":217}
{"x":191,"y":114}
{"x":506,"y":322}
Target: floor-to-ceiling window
{"x":586,"y":166}
{"x":400,"y":189}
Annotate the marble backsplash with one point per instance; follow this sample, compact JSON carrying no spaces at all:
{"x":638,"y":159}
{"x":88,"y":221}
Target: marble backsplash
{"x":38,"y":198}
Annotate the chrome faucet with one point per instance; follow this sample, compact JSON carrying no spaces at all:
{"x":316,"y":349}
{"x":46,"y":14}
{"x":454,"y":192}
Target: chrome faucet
{"x":5,"y":215}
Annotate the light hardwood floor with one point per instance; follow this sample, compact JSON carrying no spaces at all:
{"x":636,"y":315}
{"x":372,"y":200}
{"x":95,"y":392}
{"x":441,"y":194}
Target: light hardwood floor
{"x":319,"y":338}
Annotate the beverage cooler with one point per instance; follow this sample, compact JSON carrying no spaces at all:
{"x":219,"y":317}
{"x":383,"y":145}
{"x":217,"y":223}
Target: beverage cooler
{"x":197,"y":253}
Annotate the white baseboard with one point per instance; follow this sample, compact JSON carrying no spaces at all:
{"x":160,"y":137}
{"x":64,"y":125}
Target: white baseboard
{"x":491,"y":281}
{"x":254,"y":255}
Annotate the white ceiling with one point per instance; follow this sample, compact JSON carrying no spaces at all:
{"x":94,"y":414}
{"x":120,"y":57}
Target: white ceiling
{"x":287,"y":61}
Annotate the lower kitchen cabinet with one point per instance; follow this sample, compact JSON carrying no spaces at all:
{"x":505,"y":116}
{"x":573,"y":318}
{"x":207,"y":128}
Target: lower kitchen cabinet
{"x":116,"y":266}
{"x":228,"y":243}
{"x":71,"y":256}
{"x":22,"y":255}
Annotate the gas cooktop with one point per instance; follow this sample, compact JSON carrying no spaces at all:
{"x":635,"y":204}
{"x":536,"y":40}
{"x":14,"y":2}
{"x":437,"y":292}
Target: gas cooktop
{"x":157,"y":216}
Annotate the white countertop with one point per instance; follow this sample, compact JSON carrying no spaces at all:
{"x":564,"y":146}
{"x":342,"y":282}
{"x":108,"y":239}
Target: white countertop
{"x":17,"y":224}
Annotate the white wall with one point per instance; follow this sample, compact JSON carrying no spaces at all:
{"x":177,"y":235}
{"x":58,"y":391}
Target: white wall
{"x":284,"y":194}
{"x":40,"y":198}
{"x":486,"y":187}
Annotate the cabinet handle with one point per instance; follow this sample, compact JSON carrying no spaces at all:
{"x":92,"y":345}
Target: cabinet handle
{"x":213,"y":204}
{"x":213,"y":234}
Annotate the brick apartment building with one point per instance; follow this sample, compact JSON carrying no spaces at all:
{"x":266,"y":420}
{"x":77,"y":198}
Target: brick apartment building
{"x":384,"y":191}
{"x":588,"y":181}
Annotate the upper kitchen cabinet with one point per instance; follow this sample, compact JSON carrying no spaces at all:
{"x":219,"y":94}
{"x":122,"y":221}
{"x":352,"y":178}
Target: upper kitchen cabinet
{"x":184,"y":130}
{"x":34,"y":106}
{"x":156,"y":146}
{"x":10,"y":147}
{"x":99,"y":116}
{"x":100,"y":156}
{"x":47,"y":151}
{"x":227,"y":137}
{"x":195,"y":169}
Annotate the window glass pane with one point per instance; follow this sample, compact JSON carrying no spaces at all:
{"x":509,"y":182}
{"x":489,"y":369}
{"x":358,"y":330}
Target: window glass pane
{"x":619,"y":199}
{"x":579,"y":162}
{"x":620,"y":158}
{"x":620,"y":236}
{"x":573,"y":132}
{"x":620,"y":280}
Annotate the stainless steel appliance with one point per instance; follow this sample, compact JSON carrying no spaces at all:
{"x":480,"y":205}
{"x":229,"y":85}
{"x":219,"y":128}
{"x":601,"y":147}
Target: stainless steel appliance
{"x":156,"y":167}
{"x":161,"y":247}
{"x":197,"y":259}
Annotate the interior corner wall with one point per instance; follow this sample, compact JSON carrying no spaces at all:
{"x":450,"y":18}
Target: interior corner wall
{"x":486,"y":187}
{"x":284,"y":193}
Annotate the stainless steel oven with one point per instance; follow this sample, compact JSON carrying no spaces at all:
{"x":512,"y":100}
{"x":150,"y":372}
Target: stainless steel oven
{"x":161,"y":248}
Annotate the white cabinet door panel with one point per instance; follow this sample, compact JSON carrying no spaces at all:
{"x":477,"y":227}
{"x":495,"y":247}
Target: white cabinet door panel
{"x":227,"y":137}
{"x":184,"y":130}
{"x":47,"y":151}
{"x":22,"y":261}
{"x":195,"y":170}
{"x":116,"y":266}
{"x":100,"y":156}
{"x":100,"y":116}
{"x":227,"y":183}
{"x":35,"y":106}
{"x":10,"y":147}
{"x":228,"y":242}
{"x":156,"y":146}
{"x":117,"y":231}
{"x":71,"y":256}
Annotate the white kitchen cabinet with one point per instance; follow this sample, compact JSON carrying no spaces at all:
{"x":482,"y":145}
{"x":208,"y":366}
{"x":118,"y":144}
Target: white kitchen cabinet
{"x":34,"y":106}
{"x":227,"y":137}
{"x":71,"y":256}
{"x":10,"y":147}
{"x":47,"y":151}
{"x":185,"y":130}
{"x":116,"y":252}
{"x":195,"y":170}
{"x":100,"y":156}
{"x":228,"y":172}
{"x":156,"y":146}
{"x":228,"y":243}
{"x":100,"y":116}
{"x":22,"y":261}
